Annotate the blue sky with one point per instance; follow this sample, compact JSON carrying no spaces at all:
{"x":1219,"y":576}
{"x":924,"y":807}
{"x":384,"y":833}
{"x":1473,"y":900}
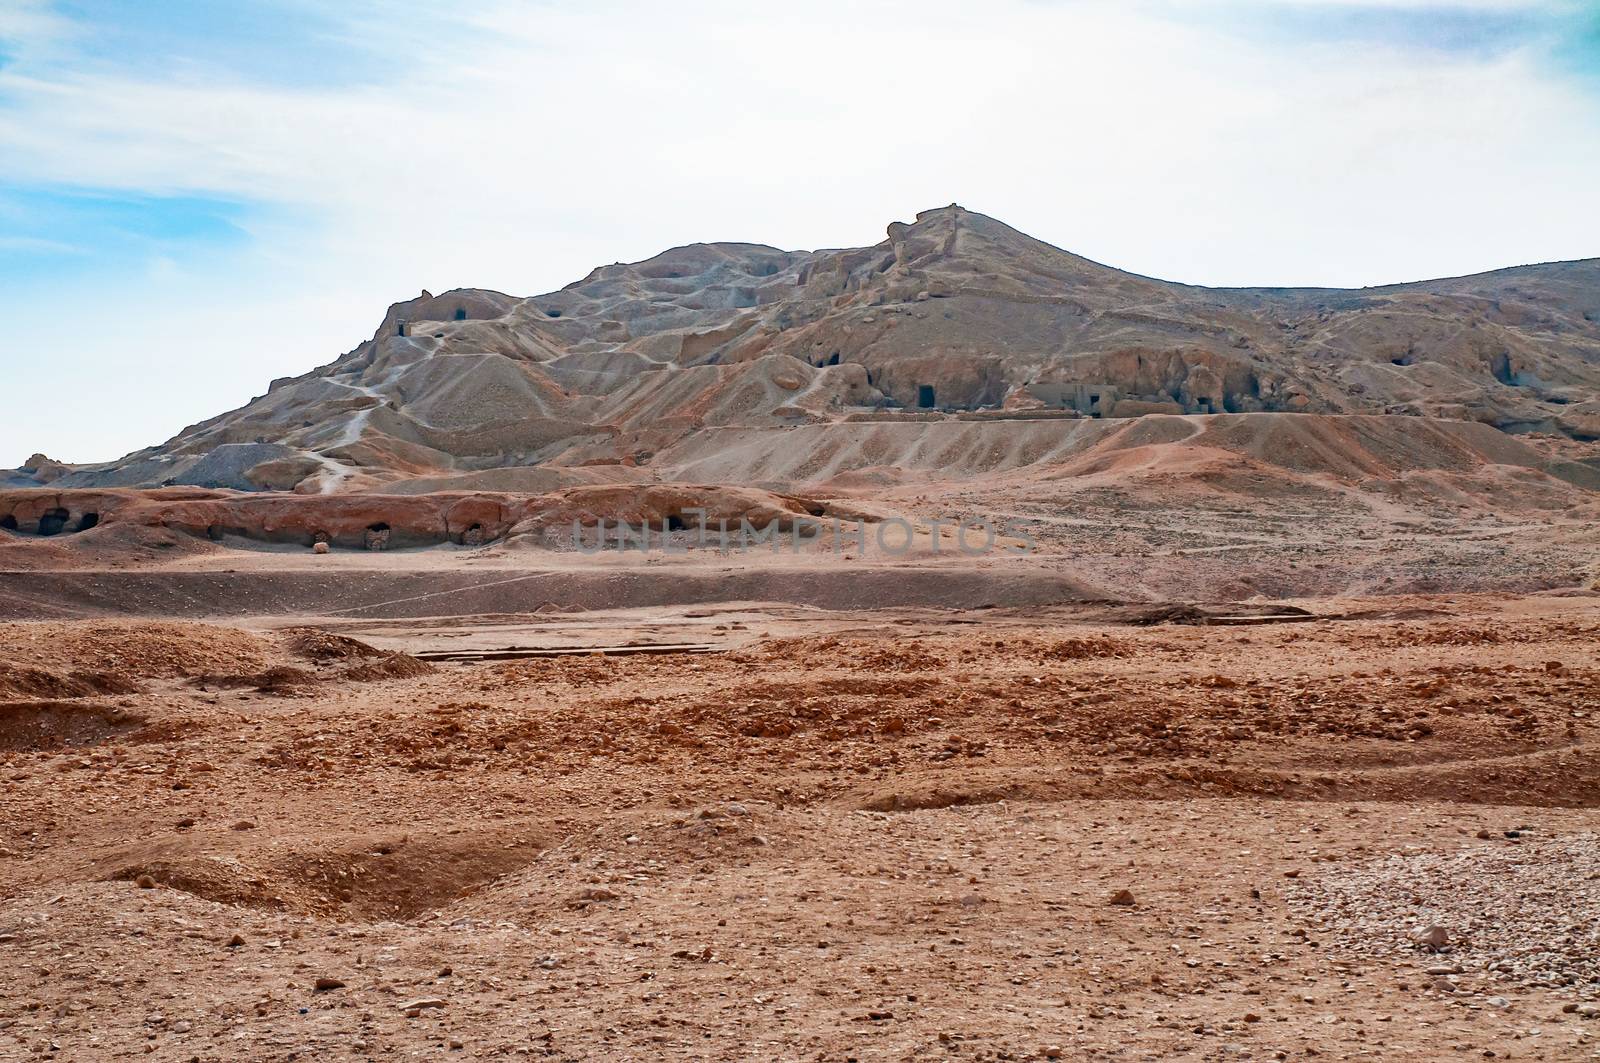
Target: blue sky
{"x":61,"y":236}
{"x":264,"y":41}
{"x":196,"y":197}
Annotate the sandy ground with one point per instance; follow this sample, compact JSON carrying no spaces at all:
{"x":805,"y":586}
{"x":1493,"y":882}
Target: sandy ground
{"x":877,"y":834}
{"x":1087,"y":545}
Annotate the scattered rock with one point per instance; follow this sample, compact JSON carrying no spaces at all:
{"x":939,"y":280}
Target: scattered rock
{"x":1431,"y":936}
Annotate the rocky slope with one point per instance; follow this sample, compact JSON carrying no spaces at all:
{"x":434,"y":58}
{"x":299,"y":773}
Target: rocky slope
{"x":956,"y":312}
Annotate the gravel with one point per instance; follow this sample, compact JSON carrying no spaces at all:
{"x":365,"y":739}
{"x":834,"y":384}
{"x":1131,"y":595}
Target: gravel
{"x":1524,"y":912}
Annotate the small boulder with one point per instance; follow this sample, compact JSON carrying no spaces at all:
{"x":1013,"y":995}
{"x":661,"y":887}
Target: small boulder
{"x":1432,"y":936}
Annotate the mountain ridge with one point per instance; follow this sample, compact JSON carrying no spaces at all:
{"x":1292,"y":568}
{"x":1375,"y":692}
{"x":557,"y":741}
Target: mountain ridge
{"x":952,"y":313}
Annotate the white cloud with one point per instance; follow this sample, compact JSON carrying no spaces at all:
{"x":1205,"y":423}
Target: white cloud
{"x":520,"y":145}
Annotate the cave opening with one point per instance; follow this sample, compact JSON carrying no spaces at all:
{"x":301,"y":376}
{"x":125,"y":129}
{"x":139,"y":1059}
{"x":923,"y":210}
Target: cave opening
{"x":53,"y":522}
{"x":1500,"y":366}
{"x":675,"y":523}
{"x":461,"y":313}
{"x":87,"y":521}
{"x":925,"y":396}
{"x":8,"y":523}
{"x":835,"y":359}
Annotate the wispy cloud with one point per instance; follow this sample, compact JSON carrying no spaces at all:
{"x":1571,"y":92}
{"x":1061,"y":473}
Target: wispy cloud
{"x":34,"y":245}
{"x":1485,"y":28}
{"x":51,"y":230}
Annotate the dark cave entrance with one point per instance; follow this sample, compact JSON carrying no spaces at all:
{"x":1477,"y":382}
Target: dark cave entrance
{"x":461,"y":314}
{"x":925,"y":396}
{"x":87,"y":521}
{"x":835,"y":359}
{"x":53,"y":522}
{"x":1500,"y":366}
{"x":675,"y":523}
{"x":8,"y":523}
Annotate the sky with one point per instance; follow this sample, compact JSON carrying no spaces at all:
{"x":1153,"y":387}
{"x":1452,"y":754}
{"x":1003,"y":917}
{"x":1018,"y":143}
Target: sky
{"x":198,"y":196}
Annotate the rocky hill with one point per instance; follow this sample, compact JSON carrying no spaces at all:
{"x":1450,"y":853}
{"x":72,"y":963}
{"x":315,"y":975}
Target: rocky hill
{"x":955,"y":315}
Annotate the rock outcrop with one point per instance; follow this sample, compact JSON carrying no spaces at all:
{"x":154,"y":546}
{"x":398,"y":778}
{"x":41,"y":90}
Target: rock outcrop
{"x":377,"y":522}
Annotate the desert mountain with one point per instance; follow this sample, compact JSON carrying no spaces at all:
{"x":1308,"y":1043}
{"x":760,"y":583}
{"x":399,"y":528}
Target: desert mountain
{"x":955,"y":315}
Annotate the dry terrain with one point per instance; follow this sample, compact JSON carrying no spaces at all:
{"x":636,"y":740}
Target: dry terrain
{"x":1262,"y":726}
{"x":1071,"y":831}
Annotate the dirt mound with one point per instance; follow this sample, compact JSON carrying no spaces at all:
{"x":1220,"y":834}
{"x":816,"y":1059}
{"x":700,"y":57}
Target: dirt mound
{"x":34,"y":726}
{"x":23,"y":681}
{"x":133,"y":650}
{"x":291,"y":681}
{"x":283,"y":679}
{"x":388,"y":666}
{"x":367,"y":878}
{"x":323,"y":646}
{"x":106,"y":546}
